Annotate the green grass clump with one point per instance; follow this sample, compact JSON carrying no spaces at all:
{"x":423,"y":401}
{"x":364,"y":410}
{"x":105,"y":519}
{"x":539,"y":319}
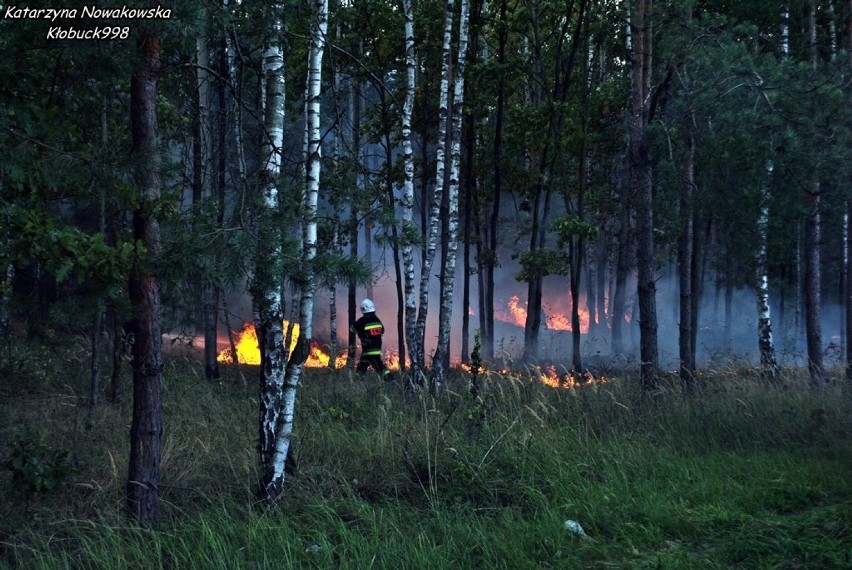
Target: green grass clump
{"x":738,"y":474}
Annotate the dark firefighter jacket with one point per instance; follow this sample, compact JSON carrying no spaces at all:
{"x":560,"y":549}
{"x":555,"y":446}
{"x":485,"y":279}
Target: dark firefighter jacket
{"x":370,"y":330}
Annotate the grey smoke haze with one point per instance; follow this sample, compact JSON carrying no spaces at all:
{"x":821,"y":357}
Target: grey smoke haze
{"x":717,"y":343}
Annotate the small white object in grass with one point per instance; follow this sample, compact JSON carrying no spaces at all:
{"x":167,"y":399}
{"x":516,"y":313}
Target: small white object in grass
{"x":574,"y":528}
{"x":314,"y":549}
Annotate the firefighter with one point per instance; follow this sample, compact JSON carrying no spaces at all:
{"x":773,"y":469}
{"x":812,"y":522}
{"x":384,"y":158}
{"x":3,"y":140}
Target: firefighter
{"x":370,"y":329}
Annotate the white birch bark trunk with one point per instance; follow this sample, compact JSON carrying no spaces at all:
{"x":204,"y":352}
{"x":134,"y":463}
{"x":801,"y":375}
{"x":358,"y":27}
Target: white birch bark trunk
{"x":417,"y":348}
{"x":267,"y":282}
{"x":768,"y":363}
{"x":408,"y":228}
{"x":449,"y":272}
{"x":274,"y":481}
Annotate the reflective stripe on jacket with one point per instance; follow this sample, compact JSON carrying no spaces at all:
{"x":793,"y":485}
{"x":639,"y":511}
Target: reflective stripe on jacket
{"x":370,"y":330}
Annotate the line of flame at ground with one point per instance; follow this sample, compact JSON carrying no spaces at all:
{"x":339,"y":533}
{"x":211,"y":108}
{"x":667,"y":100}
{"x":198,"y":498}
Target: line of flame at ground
{"x":248,"y":352}
{"x":548,"y":375}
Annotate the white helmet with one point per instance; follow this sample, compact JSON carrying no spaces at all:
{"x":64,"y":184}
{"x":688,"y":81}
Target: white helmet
{"x":367,"y":306}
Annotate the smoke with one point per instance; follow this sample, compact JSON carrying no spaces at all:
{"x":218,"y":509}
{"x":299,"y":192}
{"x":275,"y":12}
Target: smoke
{"x":727,"y":328}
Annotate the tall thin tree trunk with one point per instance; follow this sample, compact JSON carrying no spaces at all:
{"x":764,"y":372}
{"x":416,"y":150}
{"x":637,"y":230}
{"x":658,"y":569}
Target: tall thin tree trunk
{"x":813,"y":207}
{"x":202,"y":154}
{"x":532,"y":325}
{"x":698,"y":273}
{"x":273,"y":479}
{"x":214,"y":291}
{"x":769,"y":365}
{"x":354,"y":223}
{"x":431,"y":245}
{"x":408,"y":227}
{"x":729,"y":319}
{"x":210,"y":304}
{"x":469,"y":194}
{"x":449,"y":270}
{"x":600,"y":284}
{"x":848,"y":251}
{"x":812,"y":285}
{"x":6,"y":313}
{"x":641,"y":184}
{"x":98,"y":325}
{"x":619,"y":295}
{"x":470,"y":184}
{"x":591,"y":292}
{"x":395,"y":234}
{"x":146,"y":430}
{"x":492,"y":228}
{"x":848,"y":297}
{"x":578,"y":243}
{"x":118,"y":348}
{"x":848,"y":33}
{"x":94,"y":369}
{"x":543,"y":187}
{"x":267,"y":280}
{"x":685,"y":263}
{"x":199,"y":95}
{"x":578,"y":257}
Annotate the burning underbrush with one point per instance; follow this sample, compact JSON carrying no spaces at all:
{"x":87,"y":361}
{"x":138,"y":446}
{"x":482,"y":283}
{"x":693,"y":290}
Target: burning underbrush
{"x":248,"y":351}
{"x":552,"y":375}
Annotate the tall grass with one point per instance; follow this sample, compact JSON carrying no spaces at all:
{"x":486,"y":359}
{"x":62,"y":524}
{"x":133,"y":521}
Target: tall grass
{"x":737,"y":474}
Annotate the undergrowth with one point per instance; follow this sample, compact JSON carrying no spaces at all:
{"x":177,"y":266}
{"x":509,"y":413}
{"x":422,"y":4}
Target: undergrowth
{"x":736,"y":474}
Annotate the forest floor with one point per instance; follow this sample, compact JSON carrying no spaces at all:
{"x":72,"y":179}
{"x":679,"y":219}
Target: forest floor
{"x":737,"y":474}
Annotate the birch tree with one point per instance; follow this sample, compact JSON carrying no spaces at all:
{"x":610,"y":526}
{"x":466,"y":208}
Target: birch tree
{"x":417,"y":347}
{"x":768,"y":363}
{"x":268,"y":274}
{"x":273,"y":477}
{"x":409,"y":229}
{"x":452,"y":223}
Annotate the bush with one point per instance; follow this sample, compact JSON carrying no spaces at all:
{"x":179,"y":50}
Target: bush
{"x":36,"y":468}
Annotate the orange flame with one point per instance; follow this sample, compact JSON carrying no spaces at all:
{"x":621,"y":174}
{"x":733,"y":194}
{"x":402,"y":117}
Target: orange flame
{"x":392,"y":359}
{"x":549,"y":376}
{"x":516,"y":314}
{"x":513,"y":313}
{"x":248,"y":350}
